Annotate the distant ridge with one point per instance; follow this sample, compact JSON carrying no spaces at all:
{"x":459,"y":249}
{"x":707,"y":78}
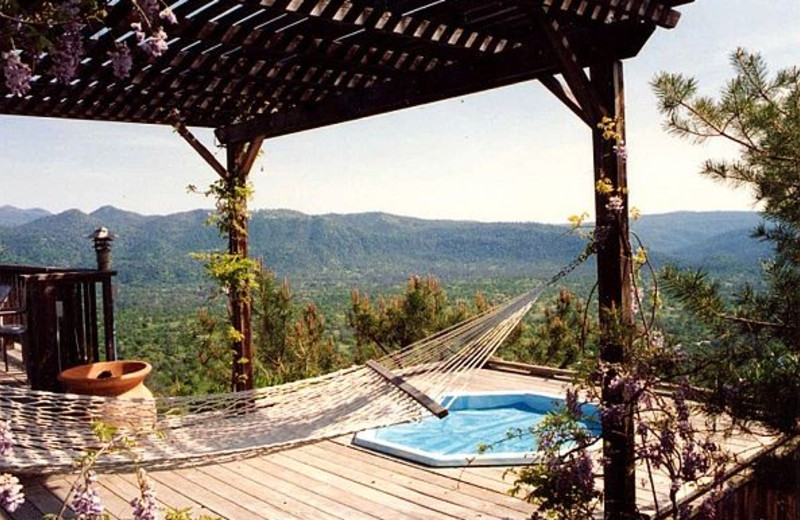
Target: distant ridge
{"x":671,"y":232}
{"x":12,"y":216}
{"x":364,"y":246}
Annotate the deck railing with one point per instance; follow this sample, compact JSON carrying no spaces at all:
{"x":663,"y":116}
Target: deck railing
{"x":65,"y":316}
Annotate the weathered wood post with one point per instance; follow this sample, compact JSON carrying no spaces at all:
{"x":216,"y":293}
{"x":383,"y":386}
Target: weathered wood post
{"x":614,"y":292}
{"x":239,"y":298}
{"x":240,"y":157}
{"x":593,"y":98}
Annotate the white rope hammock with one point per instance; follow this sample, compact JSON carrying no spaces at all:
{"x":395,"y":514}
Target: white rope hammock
{"x":51,"y":430}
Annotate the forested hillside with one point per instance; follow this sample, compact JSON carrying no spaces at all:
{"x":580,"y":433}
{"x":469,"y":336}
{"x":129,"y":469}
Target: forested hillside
{"x":375,"y":246}
{"x":718,"y":241}
{"x":11,"y":216}
{"x":368,"y":247}
{"x":160,"y":287}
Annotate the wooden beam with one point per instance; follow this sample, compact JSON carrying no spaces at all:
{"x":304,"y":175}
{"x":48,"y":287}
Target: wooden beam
{"x":199,"y":147}
{"x":565,"y":96}
{"x":658,"y":12}
{"x":570,"y":68}
{"x":250,"y":154}
{"x":412,"y":391}
{"x":511,"y":66}
{"x":240,"y":159}
{"x":502,"y":69}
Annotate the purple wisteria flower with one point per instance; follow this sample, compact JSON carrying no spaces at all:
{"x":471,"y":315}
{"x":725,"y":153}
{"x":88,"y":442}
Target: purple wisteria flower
{"x":642,"y":429}
{"x":621,"y":150}
{"x":86,"y":502}
{"x":138,"y":32}
{"x":11,"y":496}
{"x":68,"y":48}
{"x":667,"y":441}
{"x":145,"y":506}
{"x":615,"y":204}
{"x":695,"y":462}
{"x":583,"y":472}
{"x":6,"y":438}
{"x":613,"y":413}
{"x":67,"y":53}
{"x":121,"y":61}
{"x":17,"y":73}
{"x":682,"y":409}
{"x":157,"y":45}
{"x":70,"y":10}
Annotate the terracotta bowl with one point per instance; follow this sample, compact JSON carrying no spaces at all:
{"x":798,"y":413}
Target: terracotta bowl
{"x":108,"y":379}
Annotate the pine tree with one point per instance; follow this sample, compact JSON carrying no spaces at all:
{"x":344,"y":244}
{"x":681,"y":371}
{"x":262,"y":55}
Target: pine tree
{"x":753,"y":363}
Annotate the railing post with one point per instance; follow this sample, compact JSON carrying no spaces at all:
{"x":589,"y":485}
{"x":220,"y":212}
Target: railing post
{"x":102,"y":239}
{"x":108,"y":318}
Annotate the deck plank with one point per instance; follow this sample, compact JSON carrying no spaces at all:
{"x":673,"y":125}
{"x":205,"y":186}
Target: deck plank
{"x":414,"y":474}
{"x":129,"y":489}
{"x":388,"y":505}
{"x":316,"y":492}
{"x":24,"y":512}
{"x":206,"y":492}
{"x":254,"y":484}
{"x":440,"y":501}
{"x":171,"y":498}
{"x":233,"y":492}
{"x":41,"y":498}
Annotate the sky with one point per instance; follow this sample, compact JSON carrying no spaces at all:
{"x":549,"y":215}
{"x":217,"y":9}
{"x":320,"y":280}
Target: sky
{"x":511,"y":154}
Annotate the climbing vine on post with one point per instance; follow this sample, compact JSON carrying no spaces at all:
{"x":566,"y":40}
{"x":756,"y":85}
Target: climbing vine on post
{"x":234,"y":271}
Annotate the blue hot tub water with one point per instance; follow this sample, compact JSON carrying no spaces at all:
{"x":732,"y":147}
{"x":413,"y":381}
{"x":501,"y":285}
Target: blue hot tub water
{"x":473,"y":420}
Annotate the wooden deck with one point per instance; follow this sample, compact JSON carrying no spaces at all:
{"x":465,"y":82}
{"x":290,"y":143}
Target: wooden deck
{"x":334,"y":480}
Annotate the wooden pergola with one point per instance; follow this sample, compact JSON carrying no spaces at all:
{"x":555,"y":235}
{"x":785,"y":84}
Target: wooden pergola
{"x":254,"y":69}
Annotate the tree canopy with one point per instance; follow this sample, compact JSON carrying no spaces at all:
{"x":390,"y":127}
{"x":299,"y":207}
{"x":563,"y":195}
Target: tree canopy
{"x":758,"y":333}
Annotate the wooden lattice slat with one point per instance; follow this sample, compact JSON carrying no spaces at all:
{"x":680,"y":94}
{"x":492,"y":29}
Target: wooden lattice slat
{"x":233,"y":59}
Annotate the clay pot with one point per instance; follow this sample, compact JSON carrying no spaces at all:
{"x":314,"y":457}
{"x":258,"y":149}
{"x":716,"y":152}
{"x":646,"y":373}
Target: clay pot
{"x":108,"y":379}
{"x":121,"y":379}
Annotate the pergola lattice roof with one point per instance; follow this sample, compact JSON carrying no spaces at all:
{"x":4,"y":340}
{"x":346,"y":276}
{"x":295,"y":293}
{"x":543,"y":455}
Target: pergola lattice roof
{"x":273,"y":67}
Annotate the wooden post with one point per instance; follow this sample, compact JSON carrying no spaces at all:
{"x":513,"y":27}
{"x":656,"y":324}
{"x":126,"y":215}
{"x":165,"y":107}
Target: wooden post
{"x":614,"y":293}
{"x":240,"y":303}
{"x":240,"y":158}
{"x":108,"y":318}
{"x":602,"y":95}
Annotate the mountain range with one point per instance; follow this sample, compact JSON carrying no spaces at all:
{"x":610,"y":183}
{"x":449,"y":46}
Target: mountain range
{"x":366,"y":246}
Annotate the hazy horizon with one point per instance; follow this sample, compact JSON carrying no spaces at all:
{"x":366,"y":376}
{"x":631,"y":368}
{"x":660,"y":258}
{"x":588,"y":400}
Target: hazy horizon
{"x":209,"y":209}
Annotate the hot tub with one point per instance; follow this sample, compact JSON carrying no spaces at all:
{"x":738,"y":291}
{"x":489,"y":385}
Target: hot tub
{"x":474,"y":419}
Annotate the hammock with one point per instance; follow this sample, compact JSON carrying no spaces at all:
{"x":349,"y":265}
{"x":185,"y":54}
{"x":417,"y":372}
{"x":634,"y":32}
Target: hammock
{"x":51,"y":430}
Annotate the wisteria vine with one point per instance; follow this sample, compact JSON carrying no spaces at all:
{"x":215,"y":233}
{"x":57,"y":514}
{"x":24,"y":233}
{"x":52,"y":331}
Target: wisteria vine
{"x":50,"y":37}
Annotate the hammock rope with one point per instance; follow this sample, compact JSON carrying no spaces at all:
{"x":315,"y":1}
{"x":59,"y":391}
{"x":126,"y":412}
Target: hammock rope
{"x":52,"y":430}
